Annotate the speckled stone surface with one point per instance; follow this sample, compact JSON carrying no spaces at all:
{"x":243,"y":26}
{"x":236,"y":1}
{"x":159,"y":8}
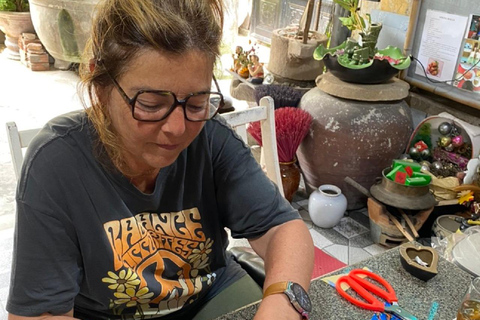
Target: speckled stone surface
{"x":447,"y":288}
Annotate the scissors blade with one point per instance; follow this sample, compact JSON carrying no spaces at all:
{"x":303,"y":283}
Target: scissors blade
{"x":400,"y":312}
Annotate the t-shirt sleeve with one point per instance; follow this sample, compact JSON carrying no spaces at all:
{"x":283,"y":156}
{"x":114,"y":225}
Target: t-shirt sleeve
{"x":250,"y":202}
{"x":46,"y":267}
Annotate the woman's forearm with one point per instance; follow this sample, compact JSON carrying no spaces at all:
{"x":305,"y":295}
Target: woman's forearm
{"x":288,"y":253}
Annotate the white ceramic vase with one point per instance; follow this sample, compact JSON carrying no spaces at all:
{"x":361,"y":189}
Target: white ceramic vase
{"x":326,"y":206}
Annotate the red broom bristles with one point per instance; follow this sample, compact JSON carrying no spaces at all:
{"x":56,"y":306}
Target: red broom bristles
{"x":291,"y":126}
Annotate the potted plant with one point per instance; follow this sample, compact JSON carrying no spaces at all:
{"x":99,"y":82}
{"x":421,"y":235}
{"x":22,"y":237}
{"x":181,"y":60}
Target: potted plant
{"x":14,"y":20}
{"x":357,"y":59}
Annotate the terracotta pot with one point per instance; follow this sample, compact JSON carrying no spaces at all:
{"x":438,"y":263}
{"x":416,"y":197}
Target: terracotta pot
{"x":351,"y":138}
{"x":13,"y":24}
{"x":290,"y":173}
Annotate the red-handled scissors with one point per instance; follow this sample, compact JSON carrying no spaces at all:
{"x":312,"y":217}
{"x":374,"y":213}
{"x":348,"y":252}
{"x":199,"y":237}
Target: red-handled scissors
{"x":365,"y":288}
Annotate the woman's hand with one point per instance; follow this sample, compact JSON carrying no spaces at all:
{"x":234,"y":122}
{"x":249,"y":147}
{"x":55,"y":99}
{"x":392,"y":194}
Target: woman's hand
{"x":278,"y":307}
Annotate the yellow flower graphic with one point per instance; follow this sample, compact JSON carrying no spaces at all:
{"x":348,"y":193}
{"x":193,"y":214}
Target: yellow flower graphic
{"x":201,"y":252}
{"x":125,"y":279}
{"x":198,"y":265}
{"x":133,"y":298}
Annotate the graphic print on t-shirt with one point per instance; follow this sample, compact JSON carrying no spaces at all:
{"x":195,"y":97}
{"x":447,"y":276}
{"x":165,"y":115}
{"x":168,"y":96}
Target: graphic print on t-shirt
{"x":160,"y":262}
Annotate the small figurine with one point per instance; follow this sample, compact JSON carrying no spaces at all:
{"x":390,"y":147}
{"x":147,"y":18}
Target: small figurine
{"x":237,"y":57}
{"x":256,"y":70}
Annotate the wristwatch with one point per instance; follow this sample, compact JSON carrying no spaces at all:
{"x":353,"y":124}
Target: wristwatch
{"x":298,"y":296}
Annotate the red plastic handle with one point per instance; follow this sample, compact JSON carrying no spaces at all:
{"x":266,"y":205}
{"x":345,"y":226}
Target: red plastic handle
{"x":363,"y":288}
{"x":388,"y":294}
{"x":373,"y":304}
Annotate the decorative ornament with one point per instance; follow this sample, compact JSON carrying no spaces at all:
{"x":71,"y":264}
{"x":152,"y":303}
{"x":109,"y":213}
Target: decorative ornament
{"x":425,"y":168}
{"x":425,"y":163}
{"x":457,"y":141}
{"x":445,"y":141}
{"x":414,"y":153}
{"x":437,"y":165}
{"x":445,"y":128}
{"x":404,"y":157}
{"x":456,"y":131}
{"x":449,"y":148}
{"x":425,"y":154}
{"x":420,"y":145}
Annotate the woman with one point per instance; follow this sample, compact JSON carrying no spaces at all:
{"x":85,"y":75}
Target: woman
{"x":122,"y":208}
{"x":256,"y":70}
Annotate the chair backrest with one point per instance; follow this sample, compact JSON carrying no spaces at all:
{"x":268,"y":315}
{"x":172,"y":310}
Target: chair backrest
{"x":17,"y":141}
{"x":265,"y":113}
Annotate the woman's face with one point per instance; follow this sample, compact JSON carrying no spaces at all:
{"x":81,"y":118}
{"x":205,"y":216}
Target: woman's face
{"x":154,"y":145}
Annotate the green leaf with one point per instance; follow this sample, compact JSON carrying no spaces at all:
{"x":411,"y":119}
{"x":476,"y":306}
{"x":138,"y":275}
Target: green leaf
{"x":7,"y":5}
{"x":344,"y":4}
{"x":348,"y":22}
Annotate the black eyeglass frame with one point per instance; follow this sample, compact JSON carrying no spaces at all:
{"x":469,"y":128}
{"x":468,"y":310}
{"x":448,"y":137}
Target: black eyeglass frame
{"x":176,"y":102}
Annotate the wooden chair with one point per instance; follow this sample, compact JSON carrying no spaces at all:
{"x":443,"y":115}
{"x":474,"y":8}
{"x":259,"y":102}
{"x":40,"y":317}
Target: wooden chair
{"x":18,"y":140}
{"x":264,"y":113}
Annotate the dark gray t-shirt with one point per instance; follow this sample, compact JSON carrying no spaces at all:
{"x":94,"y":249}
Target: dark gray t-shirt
{"x":87,"y":239}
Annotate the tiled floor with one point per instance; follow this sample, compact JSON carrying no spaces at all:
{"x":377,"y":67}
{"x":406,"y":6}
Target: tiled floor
{"x":22,"y":99}
{"x":349,"y":241}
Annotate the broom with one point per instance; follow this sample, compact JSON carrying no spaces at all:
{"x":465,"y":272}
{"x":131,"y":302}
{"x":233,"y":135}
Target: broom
{"x":291,"y":126}
{"x":282,"y":96}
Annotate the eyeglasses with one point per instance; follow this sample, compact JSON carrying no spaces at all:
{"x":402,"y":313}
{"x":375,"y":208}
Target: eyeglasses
{"x":157,"y":105}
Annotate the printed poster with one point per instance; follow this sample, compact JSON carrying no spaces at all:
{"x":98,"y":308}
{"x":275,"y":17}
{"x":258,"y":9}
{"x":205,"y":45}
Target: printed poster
{"x":441,"y":43}
{"x":467,"y":75}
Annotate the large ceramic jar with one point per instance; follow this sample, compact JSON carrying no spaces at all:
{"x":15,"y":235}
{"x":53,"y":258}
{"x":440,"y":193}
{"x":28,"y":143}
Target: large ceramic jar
{"x":63,"y":26}
{"x":353,"y":138}
{"x":326,"y":206}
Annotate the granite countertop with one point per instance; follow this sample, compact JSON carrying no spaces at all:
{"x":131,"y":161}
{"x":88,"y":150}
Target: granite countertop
{"x":446,"y":288}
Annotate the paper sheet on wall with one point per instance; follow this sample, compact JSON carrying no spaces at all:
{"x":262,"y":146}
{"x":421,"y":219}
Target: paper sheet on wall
{"x":440,"y":44}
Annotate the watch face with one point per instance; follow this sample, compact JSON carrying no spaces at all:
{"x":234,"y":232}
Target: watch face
{"x":302,"y":297}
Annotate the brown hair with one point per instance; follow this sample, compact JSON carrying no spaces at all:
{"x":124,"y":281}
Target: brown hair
{"x":123,"y":28}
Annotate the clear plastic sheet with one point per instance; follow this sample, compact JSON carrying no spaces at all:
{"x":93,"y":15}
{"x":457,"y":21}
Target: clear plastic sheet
{"x":446,"y":245}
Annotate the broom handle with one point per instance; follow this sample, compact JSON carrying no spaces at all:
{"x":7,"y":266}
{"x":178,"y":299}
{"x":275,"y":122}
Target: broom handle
{"x":357,"y":186}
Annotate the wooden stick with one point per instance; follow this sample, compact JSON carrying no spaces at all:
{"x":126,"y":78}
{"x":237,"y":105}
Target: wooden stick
{"x":309,"y":20}
{"x":317,"y":14}
{"x":399,"y":227}
{"x":409,"y":222}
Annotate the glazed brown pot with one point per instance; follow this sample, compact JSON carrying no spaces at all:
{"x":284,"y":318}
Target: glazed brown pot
{"x":13,"y":24}
{"x":290,"y":174}
{"x":351,"y":138}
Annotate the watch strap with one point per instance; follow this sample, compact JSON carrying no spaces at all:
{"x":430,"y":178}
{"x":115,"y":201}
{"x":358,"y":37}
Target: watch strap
{"x":278,"y":287}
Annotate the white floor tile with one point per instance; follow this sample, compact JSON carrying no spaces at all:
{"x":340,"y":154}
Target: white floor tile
{"x":350,"y":228}
{"x":318,"y":240}
{"x":375,"y":249}
{"x":338,"y":251}
{"x":3,"y":312}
